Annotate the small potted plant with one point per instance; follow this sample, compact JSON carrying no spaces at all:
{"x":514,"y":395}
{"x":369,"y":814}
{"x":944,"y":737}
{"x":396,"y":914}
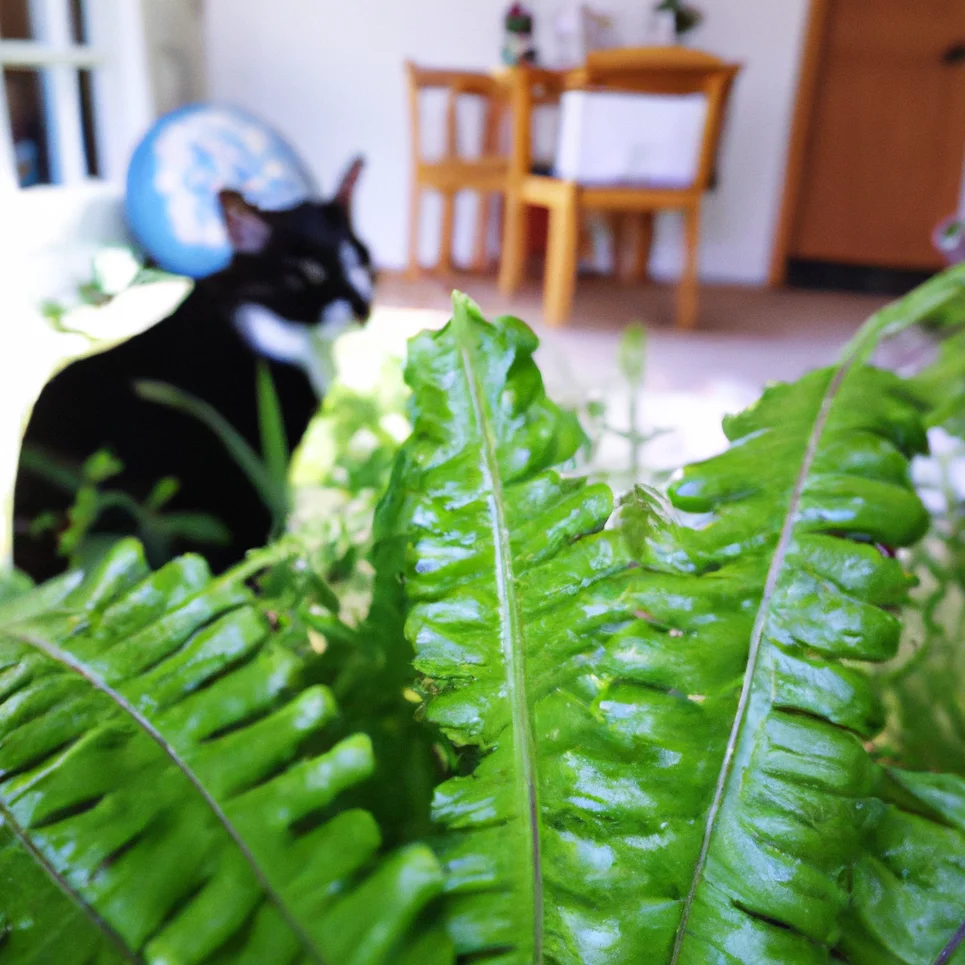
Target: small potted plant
{"x":518,"y":45}
{"x":683,"y":16}
{"x":949,"y":239}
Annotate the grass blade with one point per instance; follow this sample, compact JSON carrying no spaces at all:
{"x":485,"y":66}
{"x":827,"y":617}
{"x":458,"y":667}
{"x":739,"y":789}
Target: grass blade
{"x":274,"y":496}
{"x":274,"y":439}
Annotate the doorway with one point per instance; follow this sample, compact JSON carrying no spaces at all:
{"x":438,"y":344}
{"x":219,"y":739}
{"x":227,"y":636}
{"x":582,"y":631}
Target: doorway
{"x":878,"y":146}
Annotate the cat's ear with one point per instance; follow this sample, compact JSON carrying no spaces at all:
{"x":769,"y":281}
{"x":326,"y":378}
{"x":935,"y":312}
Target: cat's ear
{"x":346,"y":187}
{"x":248,"y":230}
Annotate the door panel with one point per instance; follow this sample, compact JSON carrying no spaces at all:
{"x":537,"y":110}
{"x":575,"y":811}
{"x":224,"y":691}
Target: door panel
{"x":884,"y":161}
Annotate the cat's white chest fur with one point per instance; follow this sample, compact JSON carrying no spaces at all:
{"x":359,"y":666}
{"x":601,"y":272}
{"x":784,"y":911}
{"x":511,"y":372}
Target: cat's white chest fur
{"x":277,"y":338}
{"x":273,"y":336}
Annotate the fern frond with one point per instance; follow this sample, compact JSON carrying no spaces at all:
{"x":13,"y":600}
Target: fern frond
{"x":923,"y":689}
{"x":743,"y":677}
{"x":167,"y":792}
{"x":509,"y":581}
{"x":663,"y":751}
{"x":907,"y":905}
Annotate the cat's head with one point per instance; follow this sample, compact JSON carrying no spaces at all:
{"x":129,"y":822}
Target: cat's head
{"x":305,"y":265}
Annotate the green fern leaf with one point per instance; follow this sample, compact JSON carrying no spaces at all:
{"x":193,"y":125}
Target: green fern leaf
{"x":167,"y":792}
{"x":942,"y":385}
{"x":663,"y":752}
{"x":498,"y":541}
{"x":742,"y":682}
{"x":923,"y":689}
{"x":907,"y":904}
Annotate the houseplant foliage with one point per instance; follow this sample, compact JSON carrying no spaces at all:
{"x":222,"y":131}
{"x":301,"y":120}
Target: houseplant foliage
{"x":664,"y":728}
{"x":78,"y":540}
{"x":342,"y":465}
{"x":659,"y":719}
{"x":686,"y":17}
{"x":922,"y":688}
{"x":168,"y":793}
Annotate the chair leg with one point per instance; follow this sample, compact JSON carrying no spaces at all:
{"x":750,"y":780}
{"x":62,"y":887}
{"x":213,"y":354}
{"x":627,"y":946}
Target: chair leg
{"x":617,"y":230}
{"x":688,"y":293}
{"x":415,"y":223}
{"x":444,"y":262}
{"x":585,"y":252}
{"x":512,"y":261}
{"x":492,"y":120}
{"x":639,"y":229}
{"x":561,"y":258}
{"x":484,"y":211}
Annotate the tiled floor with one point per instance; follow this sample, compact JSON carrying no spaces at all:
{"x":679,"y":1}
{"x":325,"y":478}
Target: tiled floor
{"x":745,"y":335}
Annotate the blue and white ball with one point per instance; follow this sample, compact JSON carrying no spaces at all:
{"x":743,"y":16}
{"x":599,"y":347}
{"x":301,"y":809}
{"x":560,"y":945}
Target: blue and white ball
{"x":184,"y":161}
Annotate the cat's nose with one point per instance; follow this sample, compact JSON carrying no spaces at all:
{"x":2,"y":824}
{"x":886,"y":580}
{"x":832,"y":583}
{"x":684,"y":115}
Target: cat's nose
{"x":361,"y":305}
{"x":363,"y":312}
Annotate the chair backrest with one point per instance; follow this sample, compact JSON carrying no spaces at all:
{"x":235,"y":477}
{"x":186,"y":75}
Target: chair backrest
{"x":665,"y":71}
{"x":633,"y":58}
{"x":458,"y":84}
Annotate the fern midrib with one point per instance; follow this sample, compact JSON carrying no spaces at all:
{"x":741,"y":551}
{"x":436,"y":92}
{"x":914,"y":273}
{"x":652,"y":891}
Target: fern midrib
{"x":53,"y":652}
{"x":953,"y":945}
{"x":727,"y":772}
{"x":511,"y":638}
{"x":64,"y":886}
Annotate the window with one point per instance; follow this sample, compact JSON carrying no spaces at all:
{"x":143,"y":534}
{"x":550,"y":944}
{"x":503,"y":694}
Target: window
{"x":73,"y":90}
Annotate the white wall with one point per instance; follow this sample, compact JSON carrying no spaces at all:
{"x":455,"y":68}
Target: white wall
{"x":328,"y":74}
{"x":767,"y":37}
{"x":175,"y":50}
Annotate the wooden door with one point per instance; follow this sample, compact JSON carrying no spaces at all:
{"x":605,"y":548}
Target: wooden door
{"x":884,"y":154}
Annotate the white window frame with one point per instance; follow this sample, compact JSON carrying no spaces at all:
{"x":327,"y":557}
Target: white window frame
{"x":116,"y":55}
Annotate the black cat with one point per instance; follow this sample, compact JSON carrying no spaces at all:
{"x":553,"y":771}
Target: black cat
{"x":292,"y":271}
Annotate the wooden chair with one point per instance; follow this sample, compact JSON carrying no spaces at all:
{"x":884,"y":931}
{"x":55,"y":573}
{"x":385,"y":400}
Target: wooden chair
{"x":486,"y":174}
{"x":654,"y":70}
